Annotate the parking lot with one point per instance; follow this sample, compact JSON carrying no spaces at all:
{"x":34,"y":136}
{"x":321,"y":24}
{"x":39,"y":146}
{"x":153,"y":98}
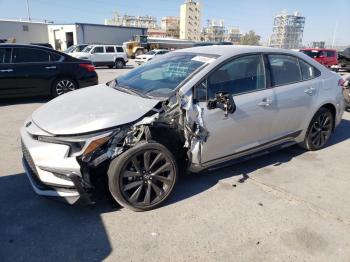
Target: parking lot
{"x":291,"y":205}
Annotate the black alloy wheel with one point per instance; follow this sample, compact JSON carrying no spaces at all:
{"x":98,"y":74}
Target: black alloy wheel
{"x":143,"y":177}
{"x":320,"y":130}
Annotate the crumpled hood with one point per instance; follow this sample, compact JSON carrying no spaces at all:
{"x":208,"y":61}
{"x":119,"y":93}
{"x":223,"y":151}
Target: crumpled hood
{"x":90,"y":109}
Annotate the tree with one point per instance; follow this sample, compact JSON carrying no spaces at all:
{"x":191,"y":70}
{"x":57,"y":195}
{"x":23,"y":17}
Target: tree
{"x":250,"y":38}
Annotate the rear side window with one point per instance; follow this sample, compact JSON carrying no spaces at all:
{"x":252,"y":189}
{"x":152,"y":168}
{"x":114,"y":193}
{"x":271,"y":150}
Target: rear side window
{"x":120,"y":50}
{"x":54,"y":57}
{"x":30,"y":55}
{"x":241,"y":75}
{"x":110,"y":49}
{"x":308,"y":71}
{"x":98,"y":49}
{"x":284,"y":69}
{"x":5,"y":55}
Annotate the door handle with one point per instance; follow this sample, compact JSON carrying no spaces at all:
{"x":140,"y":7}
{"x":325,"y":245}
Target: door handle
{"x":50,"y":67}
{"x":6,"y":70}
{"x":265,"y":102}
{"x":310,"y":91}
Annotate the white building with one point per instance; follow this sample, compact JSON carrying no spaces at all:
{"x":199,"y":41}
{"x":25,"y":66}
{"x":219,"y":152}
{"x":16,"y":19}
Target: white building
{"x":149,"y":22}
{"x":24,"y":31}
{"x":63,"y":36}
{"x":171,"y":26}
{"x":190,"y":20}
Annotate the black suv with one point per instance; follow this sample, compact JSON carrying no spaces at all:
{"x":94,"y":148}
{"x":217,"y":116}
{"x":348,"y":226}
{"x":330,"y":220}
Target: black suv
{"x":344,"y":59}
{"x":28,"y":70}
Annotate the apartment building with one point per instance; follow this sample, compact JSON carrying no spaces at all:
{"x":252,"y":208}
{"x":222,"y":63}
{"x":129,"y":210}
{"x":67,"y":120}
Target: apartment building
{"x":171,"y":26}
{"x":190,"y":20}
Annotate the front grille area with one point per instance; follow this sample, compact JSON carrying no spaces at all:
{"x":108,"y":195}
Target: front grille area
{"x":30,"y":164}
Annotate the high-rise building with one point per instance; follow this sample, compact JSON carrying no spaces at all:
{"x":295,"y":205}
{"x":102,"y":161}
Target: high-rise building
{"x":214,"y":32}
{"x":287,"y":30}
{"x":171,"y":26}
{"x":130,"y":20}
{"x":190,"y":20}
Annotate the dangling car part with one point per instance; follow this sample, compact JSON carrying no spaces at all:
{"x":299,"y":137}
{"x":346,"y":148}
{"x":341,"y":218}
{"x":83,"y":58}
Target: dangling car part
{"x":185,"y":111}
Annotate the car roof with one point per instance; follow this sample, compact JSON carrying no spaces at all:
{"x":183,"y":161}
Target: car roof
{"x":231,"y":50}
{"x":25,"y":45}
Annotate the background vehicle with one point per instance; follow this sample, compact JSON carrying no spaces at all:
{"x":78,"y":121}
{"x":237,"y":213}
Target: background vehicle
{"x":142,"y":44}
{"x":190,"y":109}
{"x":104,"y":55}
{"x":75,"y":48}
{"x":344,"y":59}
{"x":28,"y":70}
{"x":150,"y":55}
{"x":346,"y":93}
{"x":326,"y":57}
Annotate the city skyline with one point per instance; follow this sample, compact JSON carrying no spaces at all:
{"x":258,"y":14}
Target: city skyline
{"x":248,"y":15}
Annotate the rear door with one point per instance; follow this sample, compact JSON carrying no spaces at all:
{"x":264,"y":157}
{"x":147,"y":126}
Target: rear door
{"x":296,"y":89}
{"x":7,"y":73}
{"x":34,"y":71}
{"x":250,"y":125}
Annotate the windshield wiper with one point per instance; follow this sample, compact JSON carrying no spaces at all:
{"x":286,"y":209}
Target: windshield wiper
{"x":127,"y":89}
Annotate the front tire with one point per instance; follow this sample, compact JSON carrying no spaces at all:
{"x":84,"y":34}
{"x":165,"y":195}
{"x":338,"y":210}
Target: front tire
{"x":119,"y":64}
{"x":319,"y":130}
{"x":62,"y":86}
{"x":143,"y":177}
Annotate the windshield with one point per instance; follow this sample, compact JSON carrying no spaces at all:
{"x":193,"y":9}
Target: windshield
{"x":151,"y":53}
{"x":87,"y":49}
{"x":161,"y":77}
{"x":69,"y":49}
{"x":311,"y":53}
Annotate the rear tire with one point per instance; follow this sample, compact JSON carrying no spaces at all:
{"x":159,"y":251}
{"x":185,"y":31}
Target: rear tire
{"x":319,"y":130}
{"x":62,"y":86}
{"x":143,"y":177}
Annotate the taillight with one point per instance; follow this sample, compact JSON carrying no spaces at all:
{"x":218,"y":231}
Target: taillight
{"x":88,"y":67}
{"x":341,"y":82}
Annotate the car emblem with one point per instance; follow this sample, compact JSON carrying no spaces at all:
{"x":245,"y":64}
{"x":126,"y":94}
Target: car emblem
{"x":29,"y":123}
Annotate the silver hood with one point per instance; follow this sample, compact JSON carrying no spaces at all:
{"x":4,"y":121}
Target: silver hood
{"x":90,"y":109}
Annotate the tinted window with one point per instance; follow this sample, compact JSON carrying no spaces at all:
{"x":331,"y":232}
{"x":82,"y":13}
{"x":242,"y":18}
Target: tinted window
{"x":110,"y":49}
{"x":30,"y":55}
{"x":98,"y":49}
{"x":330,"y":53}
{"x":120,"y":50}
{"x":284,"y":69}
{"x":5,"y":55}
{"x":241,"y":75}
{"x":312,"y":53}
{"x":54,"y":57}
{"x":308,"y":71}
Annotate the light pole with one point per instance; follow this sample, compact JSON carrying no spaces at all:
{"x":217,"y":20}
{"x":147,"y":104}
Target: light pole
{"x":28,"y":10}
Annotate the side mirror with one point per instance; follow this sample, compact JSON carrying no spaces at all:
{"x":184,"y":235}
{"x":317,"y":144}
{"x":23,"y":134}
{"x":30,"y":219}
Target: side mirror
{"x":223,"y":101}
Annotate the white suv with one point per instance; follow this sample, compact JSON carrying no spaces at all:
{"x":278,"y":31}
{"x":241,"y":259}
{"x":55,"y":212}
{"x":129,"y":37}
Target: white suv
{"x":104,"y":55}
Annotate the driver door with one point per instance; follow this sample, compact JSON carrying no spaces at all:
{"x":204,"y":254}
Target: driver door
{"x":251,"y":124}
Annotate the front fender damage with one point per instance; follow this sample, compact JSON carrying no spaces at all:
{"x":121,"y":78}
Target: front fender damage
{"x":179,"y":114}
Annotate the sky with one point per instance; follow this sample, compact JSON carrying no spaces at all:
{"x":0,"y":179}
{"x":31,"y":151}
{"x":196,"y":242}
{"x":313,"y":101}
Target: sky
{"x":324,"y":19}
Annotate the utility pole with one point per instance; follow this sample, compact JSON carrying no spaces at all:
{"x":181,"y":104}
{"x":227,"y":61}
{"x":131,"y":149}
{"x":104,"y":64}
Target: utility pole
{"x":335,"y":33}
{"x":28,"y":10}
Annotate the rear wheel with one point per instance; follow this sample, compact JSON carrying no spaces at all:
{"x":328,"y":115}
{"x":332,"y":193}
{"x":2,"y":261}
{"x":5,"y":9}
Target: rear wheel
{"x":319,"y":131}
{"x":143,"y":177}
{"x":119,"y":64}
{"x":62,"y":86}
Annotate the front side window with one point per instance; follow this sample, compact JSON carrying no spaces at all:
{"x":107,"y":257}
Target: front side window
{"x":120,"y":50}
{"x":242,"y":75}
{"x":284,"y":69}
{"x":110,"y":49}
{"x":308,"y":71}
{"x":30,"y":55}
{"x":87,"y":49}
{"x":5,"y":55}
{"x":161,"y":77}
{"x":98,"y":49}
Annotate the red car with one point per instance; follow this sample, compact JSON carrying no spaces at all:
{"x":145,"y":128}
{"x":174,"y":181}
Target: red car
{"x":324,"y":56}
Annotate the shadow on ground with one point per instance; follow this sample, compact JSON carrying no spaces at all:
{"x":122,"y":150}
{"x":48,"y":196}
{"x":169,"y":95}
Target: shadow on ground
{"x":24,"y":100}
{"x":34,"y":228}
{"x":193,"y":184}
